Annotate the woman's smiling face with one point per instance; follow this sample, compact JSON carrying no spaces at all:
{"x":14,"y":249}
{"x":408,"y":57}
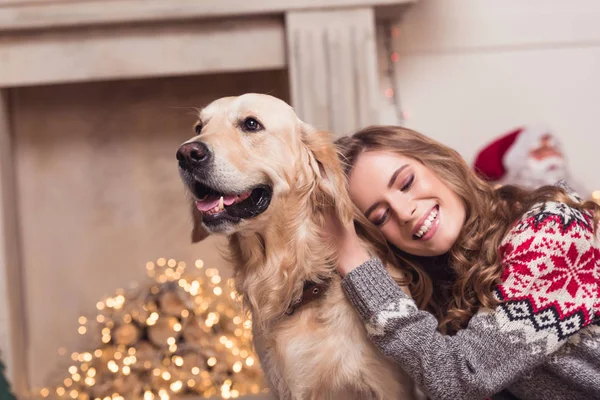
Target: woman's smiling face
{"x":416,"y":211}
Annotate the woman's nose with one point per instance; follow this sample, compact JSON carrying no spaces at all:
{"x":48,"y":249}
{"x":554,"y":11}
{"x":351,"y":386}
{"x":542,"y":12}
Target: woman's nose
{"x":405,"y":208}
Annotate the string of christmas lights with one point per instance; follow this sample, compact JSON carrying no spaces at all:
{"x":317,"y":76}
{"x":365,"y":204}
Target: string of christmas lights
{"x":390,"y":59}
{"x":181,"y":335}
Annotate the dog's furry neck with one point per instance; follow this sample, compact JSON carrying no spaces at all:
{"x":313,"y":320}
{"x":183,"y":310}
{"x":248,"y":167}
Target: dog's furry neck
{"x":271,"y":266}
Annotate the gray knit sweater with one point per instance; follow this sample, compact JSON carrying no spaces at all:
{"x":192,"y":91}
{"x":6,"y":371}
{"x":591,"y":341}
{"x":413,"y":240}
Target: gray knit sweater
{"x":542,"y":342}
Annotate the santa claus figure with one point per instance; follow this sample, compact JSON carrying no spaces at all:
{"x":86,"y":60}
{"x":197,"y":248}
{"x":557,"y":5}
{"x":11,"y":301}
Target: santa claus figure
{"x":528,"y":157}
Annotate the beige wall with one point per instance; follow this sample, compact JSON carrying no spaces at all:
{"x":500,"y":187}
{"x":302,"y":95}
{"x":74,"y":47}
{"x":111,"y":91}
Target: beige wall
{"x":473,"y":69}
{"x":99,"y":193}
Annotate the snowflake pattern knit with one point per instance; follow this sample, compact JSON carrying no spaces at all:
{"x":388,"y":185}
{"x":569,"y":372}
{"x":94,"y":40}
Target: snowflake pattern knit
{"x":542,"y":342}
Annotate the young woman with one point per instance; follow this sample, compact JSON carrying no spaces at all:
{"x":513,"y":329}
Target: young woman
{"x":505,"y":283}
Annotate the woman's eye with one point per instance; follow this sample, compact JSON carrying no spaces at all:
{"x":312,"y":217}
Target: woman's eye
{"x":408,"y":183}
{"x":381,"y":220}
{"x":251,"y":125}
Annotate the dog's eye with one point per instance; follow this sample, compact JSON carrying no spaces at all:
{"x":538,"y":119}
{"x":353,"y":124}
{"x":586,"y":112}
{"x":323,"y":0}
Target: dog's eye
{"x":251,"y":125}
{"x":198,"y":128}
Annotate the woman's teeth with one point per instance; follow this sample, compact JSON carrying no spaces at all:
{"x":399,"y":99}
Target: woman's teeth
{"x":427,"y":224}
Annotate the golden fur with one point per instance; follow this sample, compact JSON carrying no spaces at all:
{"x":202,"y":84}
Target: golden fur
{"x":322,"y":350}
{"x":474,"y":258}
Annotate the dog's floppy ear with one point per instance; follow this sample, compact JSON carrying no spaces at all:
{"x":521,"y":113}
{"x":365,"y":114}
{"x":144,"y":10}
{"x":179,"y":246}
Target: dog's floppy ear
{"x":198,"y":232}
{"x":331,"y":187}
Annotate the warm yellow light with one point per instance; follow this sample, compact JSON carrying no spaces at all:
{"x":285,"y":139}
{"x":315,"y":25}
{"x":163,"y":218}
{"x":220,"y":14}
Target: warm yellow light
{"x":113,"y":367}
{"x":195,"y":370}
{"x":211,"y":362}
{"x":105,"y":338}
{"x":74,"y":393}
{"x":110,"y":302}
{"x":162,"y":393}
{"x":45,"y":392}
{"x":178,"y":361}
{"x":243,"y":354}
{"x":235,"y":394}
{"x":76,"y":377}
{"x":118,"y":355}
{"x":92,"y":372}
{"x":60,"y":391}
{"x":126,"y":370}
{"x":199,"y":263}
{"x":172,"y":263}
{"x":166,"y":375}
{"x":185,"y":313}
{"x":98,"y":353}
{"x":87,"y":357}
{"x":211,"y":272}
{"x":148,"y":395}
{"x":149,"y":265}
{"x":82,"y":320}
{"x":161,"y":262}
{"x":173,"y":348}
{"x":100,"y":318}
{"x":72,"y":369}
{"x":131,"y":351}
{"x":68,"y":382}
{"x":100,"y":305}
{"x":90,"y":381}
{"x":250,"y":361}
{"x":237,"y":367}
{"x":216,"y":279}
{"x":191,"y":383}
{"x":596,"y":194}
{"x":127,"y":318}
{"x":171,"y":340}
{"x":177,"y":327}
{"x":237,"y":320}
{"x":176,"y":386}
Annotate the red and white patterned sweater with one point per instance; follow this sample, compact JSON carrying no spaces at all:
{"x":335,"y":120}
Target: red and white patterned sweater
{"x":542,"y":342}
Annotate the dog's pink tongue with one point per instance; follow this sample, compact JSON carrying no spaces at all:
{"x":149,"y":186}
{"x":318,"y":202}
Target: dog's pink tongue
{"x":229,"y":200}
{"x":208,"y":203}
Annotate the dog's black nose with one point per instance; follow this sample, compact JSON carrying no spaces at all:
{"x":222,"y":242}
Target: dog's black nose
{"x":193,"y":154}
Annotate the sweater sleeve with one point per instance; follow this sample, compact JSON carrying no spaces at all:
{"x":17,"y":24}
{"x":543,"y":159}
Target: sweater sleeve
{"x":549,"y":291}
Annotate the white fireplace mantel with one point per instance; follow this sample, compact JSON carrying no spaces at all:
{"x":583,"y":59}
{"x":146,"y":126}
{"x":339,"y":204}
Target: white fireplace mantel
{"x":328,"y":47}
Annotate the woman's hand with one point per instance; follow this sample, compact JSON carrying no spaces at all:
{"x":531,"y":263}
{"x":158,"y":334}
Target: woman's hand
{"x":351,"y":253}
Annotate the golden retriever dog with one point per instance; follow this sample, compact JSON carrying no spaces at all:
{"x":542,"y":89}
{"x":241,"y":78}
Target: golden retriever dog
{"x":265,"y":179}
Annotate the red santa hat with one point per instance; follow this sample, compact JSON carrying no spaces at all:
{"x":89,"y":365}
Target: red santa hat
{"x":509,"y":152}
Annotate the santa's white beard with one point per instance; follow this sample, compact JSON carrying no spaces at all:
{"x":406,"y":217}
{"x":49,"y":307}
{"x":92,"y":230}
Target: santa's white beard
{"x":536,"y":173}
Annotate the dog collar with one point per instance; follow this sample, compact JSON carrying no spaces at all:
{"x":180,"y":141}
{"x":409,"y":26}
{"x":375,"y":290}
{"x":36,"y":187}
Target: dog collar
{"x":311,"y":291}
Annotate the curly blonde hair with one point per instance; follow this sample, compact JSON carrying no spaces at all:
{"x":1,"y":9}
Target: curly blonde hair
{"x":473,"y":262}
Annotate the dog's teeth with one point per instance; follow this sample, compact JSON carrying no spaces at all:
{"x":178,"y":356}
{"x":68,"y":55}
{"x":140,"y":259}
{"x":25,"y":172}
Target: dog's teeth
{"x":221,"y":204}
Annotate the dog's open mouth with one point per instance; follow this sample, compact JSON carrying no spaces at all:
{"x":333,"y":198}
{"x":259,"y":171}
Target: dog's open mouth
{"x":217,"y":206}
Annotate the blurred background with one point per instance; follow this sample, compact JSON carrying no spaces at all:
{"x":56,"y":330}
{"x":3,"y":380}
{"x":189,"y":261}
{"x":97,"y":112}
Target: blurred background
{"x":96,"y":96}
